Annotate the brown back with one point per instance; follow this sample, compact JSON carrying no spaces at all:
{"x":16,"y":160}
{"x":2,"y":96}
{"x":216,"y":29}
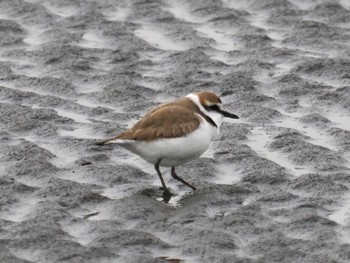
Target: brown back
{"x":169,"y":120}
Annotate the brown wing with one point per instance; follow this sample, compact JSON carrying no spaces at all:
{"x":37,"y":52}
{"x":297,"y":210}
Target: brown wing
{"x":166,"y":121}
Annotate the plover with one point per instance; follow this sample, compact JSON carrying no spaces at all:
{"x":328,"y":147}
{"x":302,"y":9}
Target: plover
{"x":175,"y":133}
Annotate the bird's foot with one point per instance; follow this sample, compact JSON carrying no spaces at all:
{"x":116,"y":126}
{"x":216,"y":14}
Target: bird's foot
{"x":166,"y":195}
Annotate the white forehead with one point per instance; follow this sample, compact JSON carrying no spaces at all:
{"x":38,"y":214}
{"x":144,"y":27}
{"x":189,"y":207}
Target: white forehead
{"x":195,"y":99}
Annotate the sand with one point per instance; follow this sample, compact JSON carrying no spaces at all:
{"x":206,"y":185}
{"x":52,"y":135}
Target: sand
{"x":273,"y":188}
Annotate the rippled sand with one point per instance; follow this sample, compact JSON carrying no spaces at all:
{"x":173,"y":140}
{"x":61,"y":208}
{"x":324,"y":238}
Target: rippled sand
{"x":273,"y":188}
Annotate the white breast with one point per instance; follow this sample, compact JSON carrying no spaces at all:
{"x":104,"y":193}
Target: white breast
{"x":174,"y":151}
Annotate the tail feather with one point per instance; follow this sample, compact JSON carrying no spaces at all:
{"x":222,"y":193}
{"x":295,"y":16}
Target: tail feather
{"x":113,"y":140}
{"x":103,"y":142}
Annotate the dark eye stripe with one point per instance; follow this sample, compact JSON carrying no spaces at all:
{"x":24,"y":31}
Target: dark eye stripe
{"x":213,"y":107}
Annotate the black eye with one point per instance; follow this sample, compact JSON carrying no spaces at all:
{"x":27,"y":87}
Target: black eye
{"x":213,"y":107}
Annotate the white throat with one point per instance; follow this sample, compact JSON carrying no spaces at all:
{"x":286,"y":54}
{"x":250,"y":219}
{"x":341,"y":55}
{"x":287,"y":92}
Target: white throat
{"x":215,"y":116}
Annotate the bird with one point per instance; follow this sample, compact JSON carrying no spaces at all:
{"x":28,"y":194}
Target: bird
{"x":175,"y":133}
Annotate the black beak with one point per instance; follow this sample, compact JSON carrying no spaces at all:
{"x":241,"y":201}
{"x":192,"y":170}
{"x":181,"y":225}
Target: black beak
{"x":228,"y":114}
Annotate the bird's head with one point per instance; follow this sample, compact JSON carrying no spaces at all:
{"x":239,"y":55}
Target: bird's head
{"x":211,"y":105}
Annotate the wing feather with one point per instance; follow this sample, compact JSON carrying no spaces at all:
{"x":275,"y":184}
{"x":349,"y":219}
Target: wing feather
{"x":163,"y":122}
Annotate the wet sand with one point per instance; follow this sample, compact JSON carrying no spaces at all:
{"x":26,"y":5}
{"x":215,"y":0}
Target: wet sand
{"x":273,"y":188}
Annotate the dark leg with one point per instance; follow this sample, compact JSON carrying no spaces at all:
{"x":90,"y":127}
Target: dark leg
{"x":156,"y":166}
{"x":175,"y":176}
